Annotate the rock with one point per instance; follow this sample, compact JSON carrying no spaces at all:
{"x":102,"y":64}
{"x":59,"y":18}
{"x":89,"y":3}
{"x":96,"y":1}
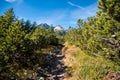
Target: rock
{"x":113,"y":76}
{"x":41,"y":78}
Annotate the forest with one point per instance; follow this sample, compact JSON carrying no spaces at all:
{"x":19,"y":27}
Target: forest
{"x":91,"y":50}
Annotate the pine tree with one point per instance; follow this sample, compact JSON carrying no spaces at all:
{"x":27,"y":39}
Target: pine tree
{"x":9,"y":17}
{"x":111,"y":7}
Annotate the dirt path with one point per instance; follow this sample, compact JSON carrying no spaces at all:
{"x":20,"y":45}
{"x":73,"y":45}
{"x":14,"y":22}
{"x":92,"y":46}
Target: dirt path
{"x":61,"y":57}
{"x":56,"y":69}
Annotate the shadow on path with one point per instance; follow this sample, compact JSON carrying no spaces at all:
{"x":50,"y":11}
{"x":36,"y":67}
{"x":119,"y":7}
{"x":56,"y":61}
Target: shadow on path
{"x":56,"y":68}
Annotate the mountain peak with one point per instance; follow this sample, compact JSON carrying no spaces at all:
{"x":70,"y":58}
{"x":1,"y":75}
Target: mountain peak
{"x":58,"y":28}
{"x":45,"y":25}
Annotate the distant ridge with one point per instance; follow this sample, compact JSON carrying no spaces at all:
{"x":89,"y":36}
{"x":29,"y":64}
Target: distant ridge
{"x":56,"y":29}
{"x":45,"y":25}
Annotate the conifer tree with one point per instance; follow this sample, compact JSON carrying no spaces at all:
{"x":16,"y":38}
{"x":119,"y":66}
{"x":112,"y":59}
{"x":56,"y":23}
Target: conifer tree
{"x":111,"y":7}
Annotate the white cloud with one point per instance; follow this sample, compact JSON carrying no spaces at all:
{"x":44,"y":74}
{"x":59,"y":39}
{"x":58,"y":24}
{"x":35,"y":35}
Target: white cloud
{"x":75,"y":5}
{"x":10,"y":1}
{"x":53,"y":18}
{"x":86,"y":12}
{"x":68,"y":17}
{"x":82,"y":13}
{"x":65,"y":17}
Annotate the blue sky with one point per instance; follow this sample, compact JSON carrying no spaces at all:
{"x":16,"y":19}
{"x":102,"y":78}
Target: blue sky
{"x":55,"y":12}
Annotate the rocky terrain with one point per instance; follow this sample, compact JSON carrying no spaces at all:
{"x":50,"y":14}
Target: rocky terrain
{"x":56,"y":68}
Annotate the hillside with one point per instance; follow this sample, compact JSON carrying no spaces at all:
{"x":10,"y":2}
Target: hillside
{"x":81,"y":66}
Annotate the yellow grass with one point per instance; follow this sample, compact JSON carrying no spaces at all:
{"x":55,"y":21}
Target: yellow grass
{"x":84,"y":67}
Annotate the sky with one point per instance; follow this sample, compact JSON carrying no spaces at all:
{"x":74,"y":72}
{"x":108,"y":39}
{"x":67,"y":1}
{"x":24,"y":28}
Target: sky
{"x":53,"y":12}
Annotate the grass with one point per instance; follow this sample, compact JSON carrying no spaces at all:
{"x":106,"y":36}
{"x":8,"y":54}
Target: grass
{"x":85,"y":67}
